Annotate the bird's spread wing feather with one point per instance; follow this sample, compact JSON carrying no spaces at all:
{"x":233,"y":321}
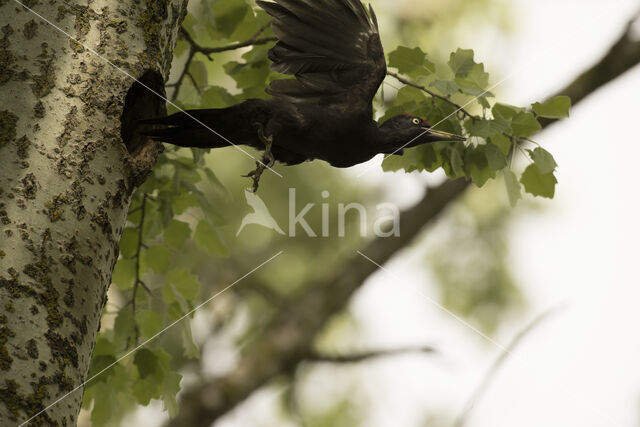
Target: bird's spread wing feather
{"x":332,"y":47}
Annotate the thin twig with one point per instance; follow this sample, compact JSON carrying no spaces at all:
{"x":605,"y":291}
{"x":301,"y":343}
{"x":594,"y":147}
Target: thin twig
{"x":194,"y":48}
{"x":195,"y":84}
{"x":185,"y":70}
{"x":355,"y":358}
{"x":254,"y":40}
{"x":138,"y":281}
{"x":497,"y":364}
{"x":432,"y":94}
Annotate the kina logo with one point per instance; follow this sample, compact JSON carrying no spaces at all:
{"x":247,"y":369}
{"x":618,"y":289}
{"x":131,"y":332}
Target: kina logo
{"x":260,"y":215}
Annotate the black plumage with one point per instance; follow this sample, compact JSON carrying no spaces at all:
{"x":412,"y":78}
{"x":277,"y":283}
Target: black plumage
{"x":333,"y":49}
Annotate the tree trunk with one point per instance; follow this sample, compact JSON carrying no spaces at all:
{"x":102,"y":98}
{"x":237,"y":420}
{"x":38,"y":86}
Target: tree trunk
{"x":69,"y":162}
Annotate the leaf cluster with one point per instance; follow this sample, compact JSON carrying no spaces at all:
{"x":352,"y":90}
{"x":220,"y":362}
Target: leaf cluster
{"x":495,"y":134}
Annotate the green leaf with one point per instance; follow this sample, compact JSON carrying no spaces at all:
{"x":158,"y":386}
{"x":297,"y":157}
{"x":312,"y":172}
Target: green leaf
{"x":170,"y":389}
{"x":503,"y":142}
{"x":208,"y":238}
{"x":105,"y":404}
{"x":394,"y":162}
{"x":477,"y":166}
{"x":181,"y":47}
{"x":199,"y":72}
{"x":185,"y":283}
{"x":476,"y":79}
{"x":505,"y":111}
{"x":124,"y":273}
{"x":461,"y":62}
{"x":247,"y":75}
{"x":555,"y":108}
{"x":149,"y":322}
{"x":186,"y":171}
{"x":445,"y":87}
{"x":129,"y":242}
{"x":497,"y":160}
{"x":412,"y":62}
{"x":177,"y":233}
{"x":409,"y":94}
{"x":226,"y":15}
{"x":191,"y":349}
{"x":486,"y":128}
{"x":146,"y":362}
{"x":513,"y":187}
{"x":158,"y":258}
{"x":190,"y":23}
{"x":121,"y":380}
{"x":178,"y":306}
{"x":103,"y":346}
{"x":184,"y":201}
{"x":146,"y":389}
{"x":525,"y":124}
{"x":457,"y":165}
{"x":101,"y":365}
{"x":250,"y":25}
{"x":217,"y":97}
{"x":124,"y":328}
{"x":164,"y":202}
{"x":430,"y":158}
{"x":451,"y":155}
{"x":217,"y":184}
{"x":537,"y":183}
{"x":484,"y":102}
{"x":544,"y":160}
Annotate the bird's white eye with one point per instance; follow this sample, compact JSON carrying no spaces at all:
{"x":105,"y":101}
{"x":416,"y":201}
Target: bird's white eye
{"x":416,"y":121}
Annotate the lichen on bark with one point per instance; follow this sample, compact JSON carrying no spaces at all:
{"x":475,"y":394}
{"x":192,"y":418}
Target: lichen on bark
{"x":66,"y":179}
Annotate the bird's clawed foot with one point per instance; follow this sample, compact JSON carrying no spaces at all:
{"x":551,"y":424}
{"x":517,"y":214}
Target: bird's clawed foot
{"x":267,"y":158}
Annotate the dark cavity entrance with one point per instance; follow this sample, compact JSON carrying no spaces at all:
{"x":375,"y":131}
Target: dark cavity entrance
{"x":142,"y":102}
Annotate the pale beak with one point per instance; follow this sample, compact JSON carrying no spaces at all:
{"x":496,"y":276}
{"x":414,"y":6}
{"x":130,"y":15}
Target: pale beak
{"x":443,"y":136}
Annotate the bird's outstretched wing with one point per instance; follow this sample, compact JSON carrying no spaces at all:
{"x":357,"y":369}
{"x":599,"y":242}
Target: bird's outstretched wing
{"x":333,"y":49}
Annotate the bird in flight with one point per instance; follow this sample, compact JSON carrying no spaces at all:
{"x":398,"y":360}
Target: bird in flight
{"x":333,"y":50}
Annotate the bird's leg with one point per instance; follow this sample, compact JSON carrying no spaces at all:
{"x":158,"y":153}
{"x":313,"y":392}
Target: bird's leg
{"x":268,"y":144}
{"x":267,"y":158}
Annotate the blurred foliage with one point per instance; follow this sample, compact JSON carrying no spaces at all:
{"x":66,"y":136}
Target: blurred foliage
{"x":180,"y":246}
{"x":469,"y":259}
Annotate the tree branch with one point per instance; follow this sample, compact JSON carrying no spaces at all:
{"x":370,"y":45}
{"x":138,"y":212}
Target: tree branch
{"x":432,"y":94}
{"x":254,"y":40}
{"x":360,"y":357}
{"x":194,"y":48}
{"x":288,"y":339}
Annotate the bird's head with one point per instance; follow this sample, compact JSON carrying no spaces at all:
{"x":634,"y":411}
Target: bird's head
{"x":405,"y":131}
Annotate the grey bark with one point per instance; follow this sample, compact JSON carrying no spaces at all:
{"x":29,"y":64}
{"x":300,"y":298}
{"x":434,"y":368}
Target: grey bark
{"x":68,"y":165}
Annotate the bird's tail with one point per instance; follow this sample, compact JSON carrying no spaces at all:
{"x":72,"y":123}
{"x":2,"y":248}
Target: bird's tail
{"x":195,"y":128}
{"x":208,"y":128}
